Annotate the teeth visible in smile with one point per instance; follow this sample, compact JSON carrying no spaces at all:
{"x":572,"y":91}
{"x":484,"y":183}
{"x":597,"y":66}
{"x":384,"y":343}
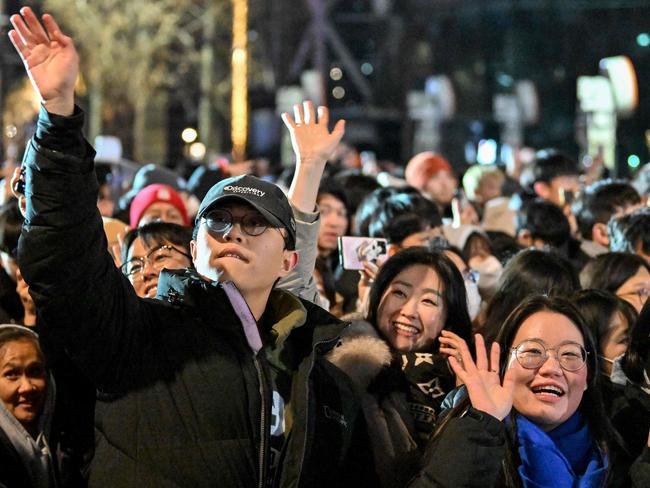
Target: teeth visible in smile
{"x":553,"y":390}
{"x":229,"y":255}
{"x":406,"y":328}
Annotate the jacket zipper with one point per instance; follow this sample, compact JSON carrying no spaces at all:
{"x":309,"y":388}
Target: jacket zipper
{"x":262,"y":389}
{"x":311,"y":367}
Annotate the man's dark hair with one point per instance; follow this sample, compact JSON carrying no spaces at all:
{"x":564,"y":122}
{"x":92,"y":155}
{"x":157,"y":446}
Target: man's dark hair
{"x":158,"y":234}
{"x":11,"y":223}
{"x":629,"y":232}
{"x":330,"y":186}
{"x":401,"y":215}
{"x":599,"y":201}
{"x":547,"y":222}
{"x":551,"y":163}
{"x":357,"y":187}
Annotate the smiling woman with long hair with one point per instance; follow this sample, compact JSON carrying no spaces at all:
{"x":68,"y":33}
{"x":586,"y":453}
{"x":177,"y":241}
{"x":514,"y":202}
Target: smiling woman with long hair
{"x":392,"y":356}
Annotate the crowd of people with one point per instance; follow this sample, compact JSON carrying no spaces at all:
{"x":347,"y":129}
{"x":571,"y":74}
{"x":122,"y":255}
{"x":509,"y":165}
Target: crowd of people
{"x":209,"y":334}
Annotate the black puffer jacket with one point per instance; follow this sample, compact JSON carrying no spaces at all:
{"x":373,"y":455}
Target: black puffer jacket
{"x":184,"y":401}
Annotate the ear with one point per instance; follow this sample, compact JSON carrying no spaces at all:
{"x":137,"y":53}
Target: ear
{"x":542,"y":190}
{"x":193,"y":250}
{"x":524,"y":238}
{"x":392,"y":249}
{"x":289,"y":261}
{"x":600,"y":235}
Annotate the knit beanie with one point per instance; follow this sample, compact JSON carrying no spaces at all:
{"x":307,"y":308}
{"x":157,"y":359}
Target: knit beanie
{"x":423,"y":166}
{"x":152,"y":194}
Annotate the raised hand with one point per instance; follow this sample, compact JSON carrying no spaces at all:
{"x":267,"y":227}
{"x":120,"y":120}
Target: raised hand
{"x":310,"y":137}
{"x":50,"y":59}
{"x":486,"y":390}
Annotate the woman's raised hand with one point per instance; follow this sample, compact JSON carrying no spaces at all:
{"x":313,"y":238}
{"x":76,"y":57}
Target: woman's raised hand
{"x":310,"y":136}
{"x":481,"y":378}
{"x":50,"y":59}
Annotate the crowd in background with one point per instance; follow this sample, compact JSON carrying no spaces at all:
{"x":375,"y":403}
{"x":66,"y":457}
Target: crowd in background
{"x":503,"y":339}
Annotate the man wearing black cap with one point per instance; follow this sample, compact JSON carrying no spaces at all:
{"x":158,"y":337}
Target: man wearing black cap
{"x":220,"y":382}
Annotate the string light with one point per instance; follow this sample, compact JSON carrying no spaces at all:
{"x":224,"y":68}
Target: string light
{"x":239,"y":65}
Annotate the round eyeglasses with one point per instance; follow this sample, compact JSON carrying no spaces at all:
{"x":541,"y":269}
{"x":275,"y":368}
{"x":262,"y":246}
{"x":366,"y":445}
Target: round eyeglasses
{"x":221,"y":221}
{"x":533,"y":353}
{"x":157,"y":259}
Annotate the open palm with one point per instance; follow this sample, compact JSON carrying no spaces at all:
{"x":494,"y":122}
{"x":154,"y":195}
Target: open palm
{"x":486,"y":390}
{"x":49,"y":57}
{"x":310,"y":135}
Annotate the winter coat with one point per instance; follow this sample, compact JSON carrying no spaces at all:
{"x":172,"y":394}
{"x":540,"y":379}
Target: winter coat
{"x":471,"y":449}
{"x":184,"y":401}
{"x":382,"y":385}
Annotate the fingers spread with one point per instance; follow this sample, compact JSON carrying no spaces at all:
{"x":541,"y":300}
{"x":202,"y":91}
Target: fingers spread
{"x":457,"y":368}
{"x":297,"y":113}
{"x":53,"y":29}
{"x":37,"y":33}
{"x":323,"y":116}
{"x":339,"y":129}
{"x":494,"y":357}
{"x":19,"y":44}
{"x":310,"y":114}
{"x":481,"y":354}
{"x":288,"y":120}
{"x":21,"y":29}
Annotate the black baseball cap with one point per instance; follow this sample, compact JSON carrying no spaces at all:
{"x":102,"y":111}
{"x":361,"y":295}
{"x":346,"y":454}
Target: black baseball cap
{"x":267,"y":198}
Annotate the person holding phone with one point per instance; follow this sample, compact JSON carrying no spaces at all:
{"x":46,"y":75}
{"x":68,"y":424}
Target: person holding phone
{"x":393,"y":356}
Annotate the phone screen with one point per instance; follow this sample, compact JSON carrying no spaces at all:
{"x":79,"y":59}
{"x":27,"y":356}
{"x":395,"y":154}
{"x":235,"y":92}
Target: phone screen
{"x":353,"y":251}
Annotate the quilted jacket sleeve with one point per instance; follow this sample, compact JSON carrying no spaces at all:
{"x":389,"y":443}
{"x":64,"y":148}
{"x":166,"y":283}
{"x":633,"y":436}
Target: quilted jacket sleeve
{"x":468,"y":452}
{"x":84,"y":302}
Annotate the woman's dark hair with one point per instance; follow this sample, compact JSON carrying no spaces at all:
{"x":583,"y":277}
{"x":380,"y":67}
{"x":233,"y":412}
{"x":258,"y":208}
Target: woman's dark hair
{"x":610,"y":270}
{"x":530,"y":272}
{"x":457,"y":318}
{"x":636,"y":356}
{"x":591,"y":405}
{"x":158,"y":234}
{"x":597,"y":308}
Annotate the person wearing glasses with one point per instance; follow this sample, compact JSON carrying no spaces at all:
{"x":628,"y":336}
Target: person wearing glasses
{"x":147,"y":250}
{"x":220,"y":381}
{"x":530,"y":412}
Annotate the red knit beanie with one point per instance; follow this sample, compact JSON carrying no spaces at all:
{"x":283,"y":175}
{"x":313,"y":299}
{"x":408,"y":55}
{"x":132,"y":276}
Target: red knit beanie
{"x":423,"y":166}
{"x":152,"y":194}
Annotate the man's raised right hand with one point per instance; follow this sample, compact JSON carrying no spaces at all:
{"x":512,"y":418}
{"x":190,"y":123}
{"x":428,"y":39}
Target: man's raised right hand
{"x":50,"y":59}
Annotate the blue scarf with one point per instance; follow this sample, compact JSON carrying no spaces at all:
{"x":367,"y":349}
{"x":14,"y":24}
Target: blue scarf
{"x":565,"y":457}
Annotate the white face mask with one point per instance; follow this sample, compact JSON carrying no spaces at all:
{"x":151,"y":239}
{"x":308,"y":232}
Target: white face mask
{"x":617,"y":375}
{"x":473,"y":298}
{"x":490,"y":270}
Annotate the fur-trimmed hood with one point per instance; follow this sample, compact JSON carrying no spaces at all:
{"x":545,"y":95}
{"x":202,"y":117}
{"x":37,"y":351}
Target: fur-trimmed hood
{"x":361,"y":353}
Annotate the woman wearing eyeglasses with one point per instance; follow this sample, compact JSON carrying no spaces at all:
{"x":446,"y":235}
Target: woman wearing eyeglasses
{"x":533,"y":414}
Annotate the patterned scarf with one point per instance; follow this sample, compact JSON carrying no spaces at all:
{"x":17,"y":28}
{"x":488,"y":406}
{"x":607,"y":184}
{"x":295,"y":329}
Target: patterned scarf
{"x":429,"y":380}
